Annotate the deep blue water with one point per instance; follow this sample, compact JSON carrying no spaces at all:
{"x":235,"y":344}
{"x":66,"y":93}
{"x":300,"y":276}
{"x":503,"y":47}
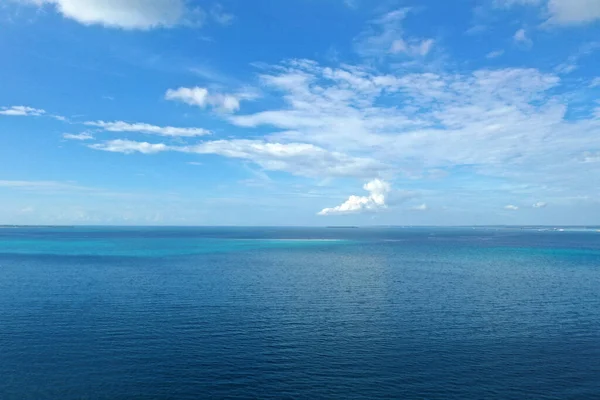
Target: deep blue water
{"x":369,"y":313}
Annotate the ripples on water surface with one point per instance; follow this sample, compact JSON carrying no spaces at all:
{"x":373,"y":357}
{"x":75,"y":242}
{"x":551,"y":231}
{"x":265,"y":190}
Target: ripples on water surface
{"x":166,"y":313}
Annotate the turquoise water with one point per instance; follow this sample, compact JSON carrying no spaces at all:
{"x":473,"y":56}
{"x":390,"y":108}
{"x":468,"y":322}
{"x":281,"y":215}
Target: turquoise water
{"x":436,"y":313}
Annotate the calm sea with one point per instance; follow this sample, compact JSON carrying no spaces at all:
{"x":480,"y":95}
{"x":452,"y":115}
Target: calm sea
{"x":298,"y":313}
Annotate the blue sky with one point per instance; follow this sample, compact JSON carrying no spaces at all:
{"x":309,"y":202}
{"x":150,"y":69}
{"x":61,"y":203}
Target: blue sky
{"x":300,"y":112}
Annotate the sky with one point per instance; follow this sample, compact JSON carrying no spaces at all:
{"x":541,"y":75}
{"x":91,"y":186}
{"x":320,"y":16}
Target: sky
{"x":300,"y":112}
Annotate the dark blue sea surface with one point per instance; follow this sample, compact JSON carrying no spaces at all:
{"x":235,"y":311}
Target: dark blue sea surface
{"x":299,"y":313}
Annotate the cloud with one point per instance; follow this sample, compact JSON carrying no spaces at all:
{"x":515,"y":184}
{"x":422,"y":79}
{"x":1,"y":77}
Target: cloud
{"x":560,"y":12}
{"x":494,"y":54}
{"x":416,"y":48}
{"x":202,"y":97}
{"x":375,"y":201}
{"x":385,"y":36}
{"x":296,"y":158}
{"x":540,"y":204}
{"x":420,"y":207}
{"x":511,"y":207}
{"x":520,"y":36}
{"x":121,"y":126}
{"x":220,"y":16}
{"x":573,"y":12}
{"x":22,"y":111}
{"x":129,"y":147}
{"x":42,"y":185}
{"x":510,"y":3}
{"x":595,"y":82}
{"x":591,"y":157}
{"x":80,"y":136}
{"x":510,"y":130}
{"x":124,"y":14}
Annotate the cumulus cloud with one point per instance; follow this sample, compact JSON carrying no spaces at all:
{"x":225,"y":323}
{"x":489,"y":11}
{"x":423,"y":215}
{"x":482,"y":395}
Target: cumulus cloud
{"x":540,"y":204}
{"x":511,"y":207}
{"x":202,"y":97}
{"x":21,"y":111}
{"x":375,"y":201}
{"x":420,"y":207}
{"x":121,"y":126}
{"x":80,"y":136}
{"x":129,"y":147}
{"x":125,"y":14}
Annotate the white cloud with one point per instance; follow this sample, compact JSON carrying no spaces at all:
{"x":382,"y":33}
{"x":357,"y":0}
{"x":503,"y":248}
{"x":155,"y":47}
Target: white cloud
{"x":494,"y":54}
{"x":220,"y":16}
{"x":129,"y":147}
{"x":385,"y":36}
{"x":42,"y":185}
{"x":375,"y":201}
{"x":509,"y":3}
{"x":121,"y":126}
{"x":540,"y":204}
{"x":80,"y":136}
{"x":420,"y":207}
{"x":595,"y":82}
{"x":297,"y":158}
{"x":202,"y":97}
{"x":561,"y":12}
{"x":573,"y":12}
{"x":416,"y":48}
{"x":508,"y":129}
{"x":22,"y":111}
{"x":591,"y":157}
{"x":520,"y":36}
{"x":511,"y":207}
{"x":125,"y":14}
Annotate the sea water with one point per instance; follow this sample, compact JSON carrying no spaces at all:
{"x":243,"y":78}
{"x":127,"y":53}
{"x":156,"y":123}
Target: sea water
{"x":238,"y":313}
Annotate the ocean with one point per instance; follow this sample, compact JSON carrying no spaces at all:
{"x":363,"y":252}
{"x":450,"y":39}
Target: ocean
{"x":299,"y":313}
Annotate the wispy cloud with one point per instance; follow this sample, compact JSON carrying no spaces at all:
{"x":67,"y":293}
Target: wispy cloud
{"x":560,"y":12}
{"x":121,"y":126}
{"x":202,"y":97}
{"x":296,"y":158}
{"x":573,"y":12}
{"x":494,"y":54}
{"x":129,"y":147}
{"x":22,"y":111}
{"x":80,"y":136}
{"x":540,"y":204}
{"x":420,"y":207}
{"x":219,"y":15}
{"x":511,"y":207}
{"x":385,"y":36}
